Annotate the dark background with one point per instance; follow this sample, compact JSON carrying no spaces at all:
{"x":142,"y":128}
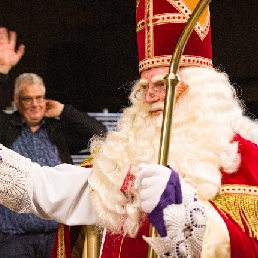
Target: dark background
{"x":87,"y":55}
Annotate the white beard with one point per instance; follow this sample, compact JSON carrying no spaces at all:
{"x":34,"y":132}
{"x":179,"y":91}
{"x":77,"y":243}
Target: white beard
{"x":144,"y":137}
{"x":200,"y":145}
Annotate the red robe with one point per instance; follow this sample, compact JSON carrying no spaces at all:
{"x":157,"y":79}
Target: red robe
{"x":241,"y":244}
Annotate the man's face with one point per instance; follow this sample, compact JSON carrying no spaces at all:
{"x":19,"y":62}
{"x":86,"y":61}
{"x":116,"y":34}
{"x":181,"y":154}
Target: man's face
{"x":31,"y":103}
{"x":153,"y":84}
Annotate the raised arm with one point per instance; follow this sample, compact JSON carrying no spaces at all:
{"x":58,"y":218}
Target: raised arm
{"x":60,"y":193}
{"x":79,"y":127}
{"x":9,"y":55}
{"x":53,"y":108}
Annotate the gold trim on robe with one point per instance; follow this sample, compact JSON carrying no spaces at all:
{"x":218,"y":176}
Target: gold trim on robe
{"x":61,"y":243}
{"x":240,"y":202}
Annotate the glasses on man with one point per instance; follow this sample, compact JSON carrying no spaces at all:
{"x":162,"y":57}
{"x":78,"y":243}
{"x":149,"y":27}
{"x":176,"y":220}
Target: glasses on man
{"x":29,"y":100}
{"x":155,"y":92}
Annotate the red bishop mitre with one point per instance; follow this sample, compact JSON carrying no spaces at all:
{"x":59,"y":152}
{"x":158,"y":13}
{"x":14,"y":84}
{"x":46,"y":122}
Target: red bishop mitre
{"x":159,"y":26}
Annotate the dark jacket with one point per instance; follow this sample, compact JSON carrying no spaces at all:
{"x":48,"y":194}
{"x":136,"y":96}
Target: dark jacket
{"x":71,"y":133}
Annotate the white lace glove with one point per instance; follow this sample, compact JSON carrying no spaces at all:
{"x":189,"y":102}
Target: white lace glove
{"x":16,"y":186}
{"x":153,"y":179}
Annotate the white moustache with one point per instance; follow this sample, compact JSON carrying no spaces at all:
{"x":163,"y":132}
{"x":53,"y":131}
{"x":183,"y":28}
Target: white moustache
{"x":157,"y":105}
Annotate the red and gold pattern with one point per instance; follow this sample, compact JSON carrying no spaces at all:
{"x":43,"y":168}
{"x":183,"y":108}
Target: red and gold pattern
{"x":61,"y":243}
{"x":62,"y":248}
{"x":240,"y":202}
{"x":237,"y":202}
{"x":159,"y":25}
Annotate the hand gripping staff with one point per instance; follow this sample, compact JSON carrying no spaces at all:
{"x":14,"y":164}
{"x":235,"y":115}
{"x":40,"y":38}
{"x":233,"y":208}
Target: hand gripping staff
{"x":172,"y":79}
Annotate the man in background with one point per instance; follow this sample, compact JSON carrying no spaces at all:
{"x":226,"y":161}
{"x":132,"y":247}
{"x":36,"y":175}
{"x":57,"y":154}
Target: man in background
{"x":34,"y":132}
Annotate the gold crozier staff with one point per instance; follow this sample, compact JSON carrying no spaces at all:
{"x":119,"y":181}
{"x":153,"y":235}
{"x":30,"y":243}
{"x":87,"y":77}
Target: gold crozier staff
{"x":172,"y":80}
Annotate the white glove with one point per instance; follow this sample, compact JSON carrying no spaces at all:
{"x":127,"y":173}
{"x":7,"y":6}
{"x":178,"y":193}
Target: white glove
{"x":185,"y":226}
{"x":153,"y":179}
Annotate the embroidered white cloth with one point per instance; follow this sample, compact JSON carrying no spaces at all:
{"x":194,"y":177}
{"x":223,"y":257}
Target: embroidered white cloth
{"x":16,"y":187}
{"x":185,"y":224}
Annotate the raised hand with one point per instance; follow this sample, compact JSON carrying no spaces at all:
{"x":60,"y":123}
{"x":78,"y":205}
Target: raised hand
{"x":9,"y":56}
{"x":53,"y":108}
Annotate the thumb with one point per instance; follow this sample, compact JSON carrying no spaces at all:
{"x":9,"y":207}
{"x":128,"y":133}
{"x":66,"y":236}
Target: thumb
{"x":145,"y":171}
{"x":142,"y":165}
{"x":138,"y":180}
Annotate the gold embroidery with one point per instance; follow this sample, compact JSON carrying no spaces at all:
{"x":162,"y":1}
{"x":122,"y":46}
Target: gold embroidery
{"x":240,"y":202}
{"x":186,"y":7}
{"x":239,"y":189}
{"x":150,"y":20}
{"x":161,"y":19}
{"x":202,"y":27}
{"x":61,"y":243}
{"x":165,"y":61}
{"x":149,"y":29}
{"x":88,"y":161}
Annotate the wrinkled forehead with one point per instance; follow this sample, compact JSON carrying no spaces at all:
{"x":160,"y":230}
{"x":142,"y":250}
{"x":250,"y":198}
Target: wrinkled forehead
{"x":154,"y":74}
{"x":31,"y":89}
{"x":154,"y":79}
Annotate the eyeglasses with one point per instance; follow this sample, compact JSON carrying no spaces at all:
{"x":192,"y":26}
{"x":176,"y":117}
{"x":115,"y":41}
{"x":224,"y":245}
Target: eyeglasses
{"x":156,"y":91}
{"x":29,"y":100}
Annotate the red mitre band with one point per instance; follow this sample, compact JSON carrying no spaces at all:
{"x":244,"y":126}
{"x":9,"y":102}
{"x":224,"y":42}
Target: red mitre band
{"x":159,"y":25}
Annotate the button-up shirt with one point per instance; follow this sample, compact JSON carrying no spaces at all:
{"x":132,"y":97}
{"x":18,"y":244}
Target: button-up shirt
{"x":37,"y":147}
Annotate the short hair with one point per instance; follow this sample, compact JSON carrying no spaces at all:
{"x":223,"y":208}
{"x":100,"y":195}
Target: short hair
{"x":29,"y":78}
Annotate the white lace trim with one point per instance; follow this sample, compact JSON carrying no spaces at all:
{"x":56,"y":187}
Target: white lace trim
{"x":185,"y":224}
{"x":16,"y":186}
